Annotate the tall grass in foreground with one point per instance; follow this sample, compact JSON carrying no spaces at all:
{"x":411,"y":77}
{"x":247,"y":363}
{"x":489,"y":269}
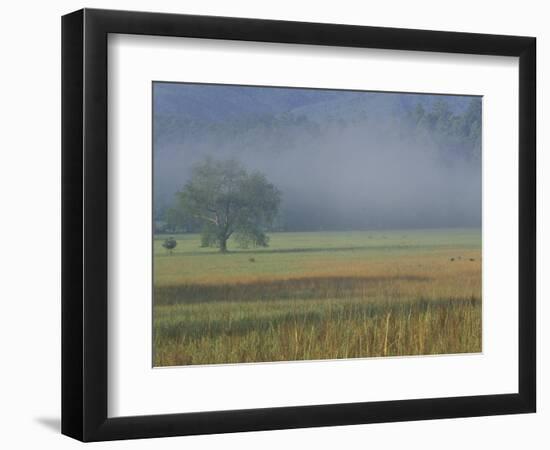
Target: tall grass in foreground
{"x":312,"y":329}
{"x":406,"y":293}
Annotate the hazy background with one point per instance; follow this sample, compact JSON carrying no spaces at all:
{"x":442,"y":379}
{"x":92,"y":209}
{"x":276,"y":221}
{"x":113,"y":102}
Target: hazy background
{"x":342,"y":159}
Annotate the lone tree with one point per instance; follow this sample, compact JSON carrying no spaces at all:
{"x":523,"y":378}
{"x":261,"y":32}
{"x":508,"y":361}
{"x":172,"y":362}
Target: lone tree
{"x":169,"y":244}
{"x":228,"y":200}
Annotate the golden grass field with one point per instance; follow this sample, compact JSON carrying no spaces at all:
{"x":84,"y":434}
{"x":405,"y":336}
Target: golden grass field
{"x":318,"y":295}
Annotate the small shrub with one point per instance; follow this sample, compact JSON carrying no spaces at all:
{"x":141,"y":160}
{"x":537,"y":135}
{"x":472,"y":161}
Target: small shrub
{"x":169,"y":244}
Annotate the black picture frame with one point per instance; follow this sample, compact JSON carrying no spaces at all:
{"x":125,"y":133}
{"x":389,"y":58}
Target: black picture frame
{"x":84,"y":224}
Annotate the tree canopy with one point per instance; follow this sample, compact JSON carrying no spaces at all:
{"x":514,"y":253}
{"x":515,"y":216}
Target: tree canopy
{"x":228,"y":201}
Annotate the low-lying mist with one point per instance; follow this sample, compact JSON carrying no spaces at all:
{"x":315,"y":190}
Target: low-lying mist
{"x":372,"y":173}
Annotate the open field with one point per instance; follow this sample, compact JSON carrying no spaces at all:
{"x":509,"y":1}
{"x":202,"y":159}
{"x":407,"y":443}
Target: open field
{"x":318,"y":295}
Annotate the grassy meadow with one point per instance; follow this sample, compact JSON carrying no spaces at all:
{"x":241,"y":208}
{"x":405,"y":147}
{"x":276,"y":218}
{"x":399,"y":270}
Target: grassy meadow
{"x":318,"y":295}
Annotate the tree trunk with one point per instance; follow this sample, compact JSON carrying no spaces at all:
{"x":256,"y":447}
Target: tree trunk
{"x":223,"y":245}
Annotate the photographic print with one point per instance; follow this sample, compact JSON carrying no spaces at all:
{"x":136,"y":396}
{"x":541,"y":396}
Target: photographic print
{"x":295,"y":224}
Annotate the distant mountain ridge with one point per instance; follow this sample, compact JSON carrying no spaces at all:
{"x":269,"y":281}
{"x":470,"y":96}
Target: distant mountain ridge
{"x":365,"y":104}
{"x":184,"y":112}
{"x":212,"y":102}
{"x":216,"y":103}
